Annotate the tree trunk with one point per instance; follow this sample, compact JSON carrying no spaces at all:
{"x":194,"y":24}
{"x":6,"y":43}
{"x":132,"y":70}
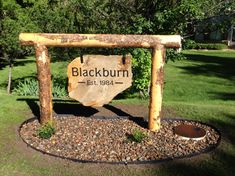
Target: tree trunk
{"x":9,"y":77}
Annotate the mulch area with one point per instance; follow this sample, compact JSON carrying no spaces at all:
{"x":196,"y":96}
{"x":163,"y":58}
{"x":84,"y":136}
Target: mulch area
{"x":107,"y":139}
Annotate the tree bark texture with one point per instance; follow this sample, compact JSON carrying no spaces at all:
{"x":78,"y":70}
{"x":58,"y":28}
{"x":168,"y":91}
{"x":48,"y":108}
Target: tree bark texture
{"x":100,"y":40}
{"x":156,"y":91}
{"x":44,"y":78}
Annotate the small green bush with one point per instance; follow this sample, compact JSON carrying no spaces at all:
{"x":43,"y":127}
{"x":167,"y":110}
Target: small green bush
{"x":137,"y":136}
{"x":59,"y":87}
{"x":191,"y":44}
{"x":211,"y":46}
{"x":46,"y":131}
{"x":141,"y":66}
{"x":173,"y":55}
{"x":59,"y":91}
{"x":29,"y":87}
{"x":26,"y":87}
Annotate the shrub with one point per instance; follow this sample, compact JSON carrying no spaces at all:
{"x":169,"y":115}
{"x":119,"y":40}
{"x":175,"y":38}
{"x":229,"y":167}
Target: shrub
{"x":141,"y":66}
{"x":211,"y":46}
{"x":29,"y":87}
{"x":137,"y":136}
{"x":59,"y":91}
{"x":46,"y":131}
{"x":26,"y":87}
{"x":191,"y":44}
{"x":173,"y":55}
{"x":59,"y":87}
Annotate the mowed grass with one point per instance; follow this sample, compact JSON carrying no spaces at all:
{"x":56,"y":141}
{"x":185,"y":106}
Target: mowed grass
{"x":201,"y":87}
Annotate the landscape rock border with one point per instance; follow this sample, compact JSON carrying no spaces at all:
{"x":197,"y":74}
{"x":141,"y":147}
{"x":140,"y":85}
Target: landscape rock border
{"x":207,"y":149}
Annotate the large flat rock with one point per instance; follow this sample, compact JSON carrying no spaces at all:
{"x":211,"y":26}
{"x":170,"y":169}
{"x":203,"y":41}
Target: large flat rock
{"x":94,"y":80}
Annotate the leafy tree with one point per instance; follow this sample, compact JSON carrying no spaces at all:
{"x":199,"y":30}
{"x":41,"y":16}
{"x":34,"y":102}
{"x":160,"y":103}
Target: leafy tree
{"x":103,"y":16}
{"x":14,"y":20}
{"x":1,"y":17}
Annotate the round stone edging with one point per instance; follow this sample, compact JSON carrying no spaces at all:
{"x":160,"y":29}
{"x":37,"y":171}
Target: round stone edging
{"x":209,"y":149}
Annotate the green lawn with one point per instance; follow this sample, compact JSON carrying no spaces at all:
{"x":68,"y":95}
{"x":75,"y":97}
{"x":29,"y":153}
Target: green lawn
{"x":201,"y":87}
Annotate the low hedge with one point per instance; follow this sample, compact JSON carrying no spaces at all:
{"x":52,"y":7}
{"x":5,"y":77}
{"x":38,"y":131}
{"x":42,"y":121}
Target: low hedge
{"x":191,"y":44}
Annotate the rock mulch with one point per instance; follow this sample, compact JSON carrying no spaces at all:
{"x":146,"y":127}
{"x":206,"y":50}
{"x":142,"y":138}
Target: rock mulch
{"x":106,"y":140}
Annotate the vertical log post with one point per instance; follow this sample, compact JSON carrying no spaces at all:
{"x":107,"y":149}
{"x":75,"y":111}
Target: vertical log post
{"x":44,"y":79}
{"x":156,"y":89}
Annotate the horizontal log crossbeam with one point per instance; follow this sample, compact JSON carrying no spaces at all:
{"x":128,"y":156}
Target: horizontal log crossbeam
{"x":100,"y":40}
{"x":157,"y":42}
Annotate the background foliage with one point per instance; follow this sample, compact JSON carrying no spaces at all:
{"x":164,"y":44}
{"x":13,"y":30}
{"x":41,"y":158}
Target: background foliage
{"x":106,"y":16}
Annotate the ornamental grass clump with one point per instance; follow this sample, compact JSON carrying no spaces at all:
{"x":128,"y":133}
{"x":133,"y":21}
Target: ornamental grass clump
{"x":137,"y":136}
{"x":46,"y":131}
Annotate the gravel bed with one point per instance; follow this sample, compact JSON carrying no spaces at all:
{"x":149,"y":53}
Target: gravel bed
{"x":106,"y":140}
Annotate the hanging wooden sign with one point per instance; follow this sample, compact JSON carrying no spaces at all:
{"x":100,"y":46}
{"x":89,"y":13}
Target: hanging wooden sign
{"x":94,"y":80}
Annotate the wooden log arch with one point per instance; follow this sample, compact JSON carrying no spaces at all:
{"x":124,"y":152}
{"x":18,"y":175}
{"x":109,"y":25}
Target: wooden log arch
{"x":157,"y":43}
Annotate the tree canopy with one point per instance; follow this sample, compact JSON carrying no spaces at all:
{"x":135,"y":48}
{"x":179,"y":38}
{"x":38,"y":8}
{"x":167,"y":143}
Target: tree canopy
{"x":106,"y":16}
